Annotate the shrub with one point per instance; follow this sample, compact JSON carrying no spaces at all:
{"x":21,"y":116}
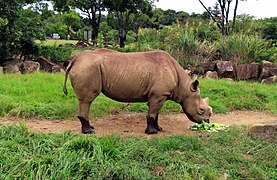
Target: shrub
{"x":56,"y":54}
{"x":149,"y":39}
{"x":242,"y":49}
{"x":186,"y":48}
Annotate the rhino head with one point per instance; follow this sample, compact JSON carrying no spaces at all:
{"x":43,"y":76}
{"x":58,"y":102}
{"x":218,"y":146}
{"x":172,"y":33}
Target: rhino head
{"x":196,"y":109}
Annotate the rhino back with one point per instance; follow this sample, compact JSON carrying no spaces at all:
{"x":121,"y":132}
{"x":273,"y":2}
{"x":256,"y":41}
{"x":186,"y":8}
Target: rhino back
{"x":132,"y":76}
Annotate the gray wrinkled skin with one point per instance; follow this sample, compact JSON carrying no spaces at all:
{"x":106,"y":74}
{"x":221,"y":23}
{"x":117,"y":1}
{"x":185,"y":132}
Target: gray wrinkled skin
{"x":152,"y":77}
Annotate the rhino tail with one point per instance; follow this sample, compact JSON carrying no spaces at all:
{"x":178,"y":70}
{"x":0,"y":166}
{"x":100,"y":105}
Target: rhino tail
{"x":68,"y":68}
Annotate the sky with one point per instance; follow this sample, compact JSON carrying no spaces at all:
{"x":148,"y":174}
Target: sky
{"x":257,"y":8}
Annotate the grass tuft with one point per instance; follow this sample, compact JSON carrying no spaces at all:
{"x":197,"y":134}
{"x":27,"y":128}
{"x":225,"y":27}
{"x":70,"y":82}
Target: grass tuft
{"x":28,"y":155}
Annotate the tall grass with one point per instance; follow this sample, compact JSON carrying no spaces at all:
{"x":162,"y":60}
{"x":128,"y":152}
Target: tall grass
{"x":242,"y":49}
{"x":40,"y":95}
{"x":29,"y":155}
{"x":185,"y":47}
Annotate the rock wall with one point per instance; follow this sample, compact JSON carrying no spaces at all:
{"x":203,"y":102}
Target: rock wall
{"x":265,"y":72}
{"x":38,"y":64}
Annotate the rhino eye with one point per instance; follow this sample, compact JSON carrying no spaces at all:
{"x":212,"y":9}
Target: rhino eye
{"x":201,"y":111}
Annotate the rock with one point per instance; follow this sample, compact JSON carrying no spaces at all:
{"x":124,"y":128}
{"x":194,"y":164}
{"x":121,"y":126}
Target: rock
{"x":265,"y":131}
{"x":1,"y":70}
{"x":208,"y":66}
{"x":248,"y":71}
{"x":12,"y":67}
{"x":268,"y":69}
{"x":49,"y":66}
{"x":211,"y":74}
{"x":199,"y":71}
{"x":270,"y":80}
{"x":58,"y":68}
{"x":228,"y":79}
{"x":45,"y":64}
{"x":225,"y":69}
{"x":30,"y":67}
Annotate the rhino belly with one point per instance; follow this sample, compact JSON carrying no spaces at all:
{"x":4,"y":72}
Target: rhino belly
{"x":125,"y":94}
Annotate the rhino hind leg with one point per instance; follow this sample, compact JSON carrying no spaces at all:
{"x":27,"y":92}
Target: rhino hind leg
{"x":83,"y":116}
{"x":86,"y":127}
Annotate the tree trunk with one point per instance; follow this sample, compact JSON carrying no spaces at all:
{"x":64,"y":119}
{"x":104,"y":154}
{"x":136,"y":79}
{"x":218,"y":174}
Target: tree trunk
{"x":235,"y":14}
{"x":122,"y":41}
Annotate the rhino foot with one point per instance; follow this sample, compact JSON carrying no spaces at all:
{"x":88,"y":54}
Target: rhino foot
{"x":89,"y":130}
{"x":151,"y":131}
{"x":158,"y":128}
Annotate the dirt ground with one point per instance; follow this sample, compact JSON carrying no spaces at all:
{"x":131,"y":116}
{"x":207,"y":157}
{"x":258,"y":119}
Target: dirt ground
{"x":134,"y":124}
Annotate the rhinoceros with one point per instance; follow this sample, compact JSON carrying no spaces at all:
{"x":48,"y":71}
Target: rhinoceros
{"x":151,"y":77}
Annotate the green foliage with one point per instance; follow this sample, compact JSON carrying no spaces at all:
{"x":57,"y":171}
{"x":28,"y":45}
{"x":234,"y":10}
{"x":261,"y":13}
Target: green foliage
{"x":17,"y":27}
{"x":3,"y":22}
{"x":229,"y":96}
{"x":269,"y":30}
{"x":56,"y":54}
{"x":184,"y":46}
{"x":29,"y":155}
{"x":241,"y":49}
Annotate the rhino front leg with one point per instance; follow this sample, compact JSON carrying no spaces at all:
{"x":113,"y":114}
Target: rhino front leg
{"x":83,"y":116}
{"x":155,"y":104}
{"x":156,"y":124}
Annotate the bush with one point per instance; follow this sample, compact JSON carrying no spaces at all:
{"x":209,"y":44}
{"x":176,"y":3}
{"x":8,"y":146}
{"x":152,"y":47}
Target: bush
{"x":186,"y":48}
{"x":56,"y":54}
{"x":242,"y":49}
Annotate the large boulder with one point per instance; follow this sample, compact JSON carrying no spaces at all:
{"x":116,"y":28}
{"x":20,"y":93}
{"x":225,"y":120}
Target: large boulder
{"x":48,"y":66}
{"x":248,"y":71}
{"x":12,"y":67}
{"x":224,"y":69}
{"x":266,"y":130}
{"x":208,"y":66}
{"x":270,"y":80}
{"x":45,"y":64}
{"x":268,"y":69}
{"x":30,"y":67}
{"x":211,"y":74}
{"x":58,"y":69}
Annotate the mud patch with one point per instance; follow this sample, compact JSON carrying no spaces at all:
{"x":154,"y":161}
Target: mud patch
{"x":134,"y":124}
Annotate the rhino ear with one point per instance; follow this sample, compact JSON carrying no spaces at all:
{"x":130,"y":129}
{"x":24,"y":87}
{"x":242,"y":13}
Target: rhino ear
{"x":206,"y":101}
{"x":194,"y":86}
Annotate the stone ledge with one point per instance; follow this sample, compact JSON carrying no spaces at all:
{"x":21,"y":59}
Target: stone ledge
{"x":267,"y":130}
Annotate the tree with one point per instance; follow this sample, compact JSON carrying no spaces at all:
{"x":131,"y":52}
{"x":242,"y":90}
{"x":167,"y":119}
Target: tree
{"x":157,"y":18}
{"x":56,"y":24}
{"x":92,"y":9}
{"x":182,"y":16}
{"x":169,"y":17}
{"x":269,"y":31}
{"x":11,"y":30}
{"x":222,"y":10}
{"x":31,"y":27}
{"x":124,"y":14}
{"x":72,"y":20}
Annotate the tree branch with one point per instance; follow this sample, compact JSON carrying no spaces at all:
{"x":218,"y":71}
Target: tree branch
{"x":235,"y":14}
{"x":218,"y":25}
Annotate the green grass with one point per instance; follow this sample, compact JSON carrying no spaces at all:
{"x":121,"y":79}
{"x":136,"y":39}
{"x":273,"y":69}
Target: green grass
{"x":29,"y":155}
{"x":56,"y":42}
{"x":40,"y":95}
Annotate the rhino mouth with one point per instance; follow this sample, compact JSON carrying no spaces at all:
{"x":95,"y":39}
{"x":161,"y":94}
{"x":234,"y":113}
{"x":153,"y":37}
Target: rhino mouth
{"x":197,"y":121}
